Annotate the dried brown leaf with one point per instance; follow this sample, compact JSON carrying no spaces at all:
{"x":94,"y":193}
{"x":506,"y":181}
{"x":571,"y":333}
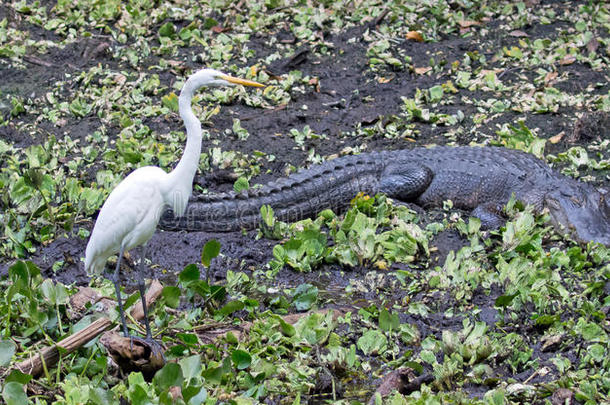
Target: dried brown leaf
{"x":557,"y":138}
{"x":567,"y":60}
{"x":518,"y":34}
{"x":592,"y":45}
{"x":415,"y":36}
{"x":468,"y":23}
{"x":550,"y":78}
{"x":422,"y":70}
{"x":217,"y":29}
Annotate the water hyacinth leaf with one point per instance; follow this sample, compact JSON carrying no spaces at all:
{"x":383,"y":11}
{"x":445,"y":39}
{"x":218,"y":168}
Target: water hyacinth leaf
{"x":218,"y":292}
{"x":210,"y":250}
{"x":190,"y":273}
{"x":171,"y":294}
{"x":372,"y":342}
{"x":304,"y":297}
{"x":194,"y":395}
{"x":191,"y":367}
{"x":19,"y":377}
{"x":167,"y":30}
{"x":169,"y":376}
{"x":19,"y":272}
{"x":287,"y":329}
{"x":138,"y":396}
{"x":241,"y":184}
{"x":388,"y":321}
{"x":170,"y":101}
{"x":7,"y":350}
{"x":505,"y":300}
{"x":241,"y":359}
{"x":231,"y":307}
{"x":13,"y":394}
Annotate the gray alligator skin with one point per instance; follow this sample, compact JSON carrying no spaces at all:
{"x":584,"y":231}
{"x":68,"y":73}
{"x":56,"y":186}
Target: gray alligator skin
{"x":481,"y":179}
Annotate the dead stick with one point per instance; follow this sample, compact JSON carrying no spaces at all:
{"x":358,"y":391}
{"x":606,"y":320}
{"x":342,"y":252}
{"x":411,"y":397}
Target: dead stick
{"x":154,"y":291}
{"x":50,"y":354}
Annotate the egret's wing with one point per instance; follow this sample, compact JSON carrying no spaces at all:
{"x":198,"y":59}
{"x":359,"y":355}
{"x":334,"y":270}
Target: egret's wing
{"x":128,"y":217}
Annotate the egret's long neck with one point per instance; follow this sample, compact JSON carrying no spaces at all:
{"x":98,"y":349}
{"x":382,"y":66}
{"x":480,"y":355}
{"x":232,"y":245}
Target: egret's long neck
{"x":181,"y":178}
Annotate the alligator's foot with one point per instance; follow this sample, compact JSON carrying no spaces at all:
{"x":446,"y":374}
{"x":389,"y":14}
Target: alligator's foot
{"x":490,"y":215}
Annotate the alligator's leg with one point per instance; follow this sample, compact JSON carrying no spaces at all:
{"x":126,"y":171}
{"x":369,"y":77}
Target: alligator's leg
{"x":405,"y":182}
{"x":490,"y":215}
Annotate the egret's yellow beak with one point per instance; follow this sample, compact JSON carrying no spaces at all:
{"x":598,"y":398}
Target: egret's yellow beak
{"x":243,"y":82}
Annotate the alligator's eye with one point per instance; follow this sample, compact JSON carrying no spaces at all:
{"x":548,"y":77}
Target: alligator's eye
{"x":553,"y":203}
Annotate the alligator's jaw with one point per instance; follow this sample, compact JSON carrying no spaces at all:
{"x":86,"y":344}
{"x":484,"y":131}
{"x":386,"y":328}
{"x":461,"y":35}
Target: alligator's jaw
{"x":581,"y":211}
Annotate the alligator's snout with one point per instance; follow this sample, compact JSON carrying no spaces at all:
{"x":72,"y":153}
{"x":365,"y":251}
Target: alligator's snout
{"x":584,"y":212}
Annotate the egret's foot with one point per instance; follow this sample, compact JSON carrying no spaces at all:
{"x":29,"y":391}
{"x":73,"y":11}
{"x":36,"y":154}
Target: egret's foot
{"x":156,"y":350}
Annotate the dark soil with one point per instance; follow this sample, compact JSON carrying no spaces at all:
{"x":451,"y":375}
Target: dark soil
{"x":333,"y":108}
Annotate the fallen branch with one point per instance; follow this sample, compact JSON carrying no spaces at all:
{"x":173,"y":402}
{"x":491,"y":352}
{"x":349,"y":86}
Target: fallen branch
{"x":49,"y":356}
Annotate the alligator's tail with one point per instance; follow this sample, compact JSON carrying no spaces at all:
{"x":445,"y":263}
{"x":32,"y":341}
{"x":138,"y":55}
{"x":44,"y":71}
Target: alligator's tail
{"x":330,"y":185}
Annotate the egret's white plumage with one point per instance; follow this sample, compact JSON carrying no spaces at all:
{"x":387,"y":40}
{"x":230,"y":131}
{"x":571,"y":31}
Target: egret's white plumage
{"x":131,"y":212}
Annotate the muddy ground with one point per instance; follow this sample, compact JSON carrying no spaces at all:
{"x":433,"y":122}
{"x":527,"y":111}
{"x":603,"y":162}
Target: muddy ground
{"x":334,"y":108}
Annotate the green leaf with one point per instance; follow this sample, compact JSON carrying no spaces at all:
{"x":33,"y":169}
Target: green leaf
{"x":171,"y":294}
{"x":428,"y":356}
{"x":387,"y":321}
{"x":169,"y":376}
{"x":190,"y":273}
{"x":18,"y":271}
{"x":436,"y":94}
{"x":591,"y":331}
{"x":231,"y":307}
{"x":241,"y":184}
{"x":210,"y":251}
{"x":170,"y":101}
{"x":305,"y":296}
{"x":505,"y":300}
{"x":209,"y":23}
{"x":287,"y":329}
{"x":18,"y":376}
{"x":13,"y":394}
{"x":241,"y":359}
{"x":48,"y":291}
{"x":267,"y":215}
{"x":7,"y":349}
{"x":191,"y":366}
{"x":372,"y":342}
{"x":167,"y":30}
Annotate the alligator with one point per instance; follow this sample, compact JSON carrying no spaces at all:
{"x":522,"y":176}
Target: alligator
{"x":481,"y":179}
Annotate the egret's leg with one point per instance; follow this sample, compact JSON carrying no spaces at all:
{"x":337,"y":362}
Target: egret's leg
{"x":142,"y":289}
{"x":117,"y":287}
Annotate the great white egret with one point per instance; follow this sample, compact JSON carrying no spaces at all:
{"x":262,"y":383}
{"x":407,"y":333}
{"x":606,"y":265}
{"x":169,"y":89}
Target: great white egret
{"x":130,"y":215}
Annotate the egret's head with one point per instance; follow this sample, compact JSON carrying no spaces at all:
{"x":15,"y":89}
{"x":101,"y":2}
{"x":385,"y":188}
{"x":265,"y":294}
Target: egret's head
{"x":212,"y":77}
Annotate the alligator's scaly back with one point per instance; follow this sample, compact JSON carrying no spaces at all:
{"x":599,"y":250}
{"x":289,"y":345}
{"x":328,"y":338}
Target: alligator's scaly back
{"x":474,"y":178}
{"x":295,"y":197}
